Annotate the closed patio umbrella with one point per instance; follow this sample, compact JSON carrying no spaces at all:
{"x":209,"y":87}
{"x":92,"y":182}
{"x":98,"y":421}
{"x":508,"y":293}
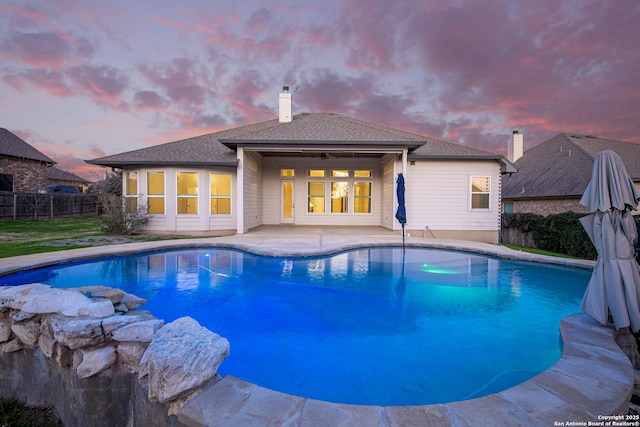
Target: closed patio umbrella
{"x":613,"y":293}
{"x":401,"y":213}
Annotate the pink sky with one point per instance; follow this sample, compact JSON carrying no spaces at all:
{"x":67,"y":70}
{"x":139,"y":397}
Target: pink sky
{"x":81,"y":80}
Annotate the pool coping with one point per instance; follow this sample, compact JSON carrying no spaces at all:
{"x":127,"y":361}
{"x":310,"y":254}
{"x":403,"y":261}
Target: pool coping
{"x":592,"y":379}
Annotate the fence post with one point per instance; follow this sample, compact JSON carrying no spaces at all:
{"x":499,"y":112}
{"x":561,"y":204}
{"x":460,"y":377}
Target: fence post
{"x":50,"y":206}
{"x":15,"y":206}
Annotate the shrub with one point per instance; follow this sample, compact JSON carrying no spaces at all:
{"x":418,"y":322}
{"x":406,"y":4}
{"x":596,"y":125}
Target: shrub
{"x":562,"y":233}
{"x":119,"y":217}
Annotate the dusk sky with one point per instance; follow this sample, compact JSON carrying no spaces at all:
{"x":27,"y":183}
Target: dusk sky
{"x":86,"y":79}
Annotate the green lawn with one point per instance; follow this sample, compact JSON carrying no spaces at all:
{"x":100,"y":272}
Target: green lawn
{"x":538,"y":251}
{"x":29,"y":236}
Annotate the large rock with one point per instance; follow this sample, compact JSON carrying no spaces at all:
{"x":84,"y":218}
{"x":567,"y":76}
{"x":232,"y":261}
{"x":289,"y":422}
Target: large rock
{"x":95,"y":360}
{"x":139,"y":331}
{"x":132,"y":301}
{"x":5,"y":329}
{"x":27,"y":332}
{"x":112,"y":294}
{"x":75,"y":332}
{"x":182,"y":356}
{"x":37,"y":298}
{"x":115,"y":322}
{"x":130,"y":354}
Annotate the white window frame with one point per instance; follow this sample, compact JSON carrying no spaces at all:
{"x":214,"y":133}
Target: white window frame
{"x":188,"y":196}
{"x":218,"y":197}
{"x":472,"y":193}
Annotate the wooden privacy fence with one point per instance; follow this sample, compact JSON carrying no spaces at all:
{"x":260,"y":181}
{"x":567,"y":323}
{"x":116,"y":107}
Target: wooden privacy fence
{"x":33,"y":206}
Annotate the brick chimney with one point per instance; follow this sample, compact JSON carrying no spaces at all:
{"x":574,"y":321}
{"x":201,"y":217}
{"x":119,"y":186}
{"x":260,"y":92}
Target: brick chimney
{"x":515,"y":147}
{"x":284,"y":115}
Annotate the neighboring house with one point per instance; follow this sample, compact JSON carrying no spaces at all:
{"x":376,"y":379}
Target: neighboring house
{"x":319,"y":169}
{"x":22,"y":167}
{"x":553,"y":175}
{"x":59,"y":181}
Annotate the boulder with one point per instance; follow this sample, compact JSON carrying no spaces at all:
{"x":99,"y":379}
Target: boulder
{"x":95,"y":360}
{"x":181,"y":357}
{"x":27,"y":332}
{"x":117,"y":321}
{"x":11,"y":346}
{"x":139,"y":331}
{"x":76,"y":332}
{"x":37,"y":298}
{"x":130,"y":354}
{"x":16,"y":296}
{"x":112,"y":294}
{"x":46,"y":345}
{"x":132,"y":302}
{"x":5,"y":329}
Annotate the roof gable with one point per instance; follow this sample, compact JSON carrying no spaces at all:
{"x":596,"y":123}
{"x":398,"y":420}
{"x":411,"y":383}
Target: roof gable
{"x":13,"y":146}
{"x":561,"y":166}
{"x":56,"y":174}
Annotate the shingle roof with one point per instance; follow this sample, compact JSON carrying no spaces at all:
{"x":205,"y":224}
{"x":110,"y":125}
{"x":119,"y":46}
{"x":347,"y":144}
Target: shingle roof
{"x":561,"y":166}
{"x":315,"y":128}
{"x":13,"y":146}
{"x":310,"y":129}
{"x":56,"y":174}
{"x":435,"y":148}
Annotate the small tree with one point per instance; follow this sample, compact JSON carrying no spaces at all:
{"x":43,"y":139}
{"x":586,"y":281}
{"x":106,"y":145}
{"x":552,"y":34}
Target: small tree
{"x":119,"y":217}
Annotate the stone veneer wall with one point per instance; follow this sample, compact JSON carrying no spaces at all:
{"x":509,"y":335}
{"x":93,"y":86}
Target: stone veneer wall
{"x":97,"y":359}
{"x":29,"y":176}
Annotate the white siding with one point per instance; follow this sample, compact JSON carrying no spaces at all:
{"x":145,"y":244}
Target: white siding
{"x":253,"y":216}
{"x":389,"y":195}
{"x":438,"y":195}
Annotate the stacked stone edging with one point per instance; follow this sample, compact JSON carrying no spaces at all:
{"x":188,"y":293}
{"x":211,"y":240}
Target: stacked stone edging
{"x":99,"y":331}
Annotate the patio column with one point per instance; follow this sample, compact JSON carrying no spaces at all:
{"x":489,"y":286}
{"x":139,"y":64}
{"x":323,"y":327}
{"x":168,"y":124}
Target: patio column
{"x":404,"y":162}
{"x":240,"y":192}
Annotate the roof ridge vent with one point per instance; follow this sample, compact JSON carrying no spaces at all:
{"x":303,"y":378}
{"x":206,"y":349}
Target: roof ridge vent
{"x":592,"y":136}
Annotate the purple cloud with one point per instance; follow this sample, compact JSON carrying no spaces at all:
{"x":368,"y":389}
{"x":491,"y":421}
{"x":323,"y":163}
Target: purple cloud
{"x":104,"y":84}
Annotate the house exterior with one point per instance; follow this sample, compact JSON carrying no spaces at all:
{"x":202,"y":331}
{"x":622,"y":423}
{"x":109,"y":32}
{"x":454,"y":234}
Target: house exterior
{"x":23,"y":169}
{"x":63,"y":181}
{"x":320,"y":169}
{"x":553,"y":175}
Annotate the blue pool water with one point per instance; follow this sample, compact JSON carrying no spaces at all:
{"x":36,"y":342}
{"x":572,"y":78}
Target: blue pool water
{"x":367,"y":326}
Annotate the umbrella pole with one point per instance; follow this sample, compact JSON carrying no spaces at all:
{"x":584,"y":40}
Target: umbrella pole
{"x":402,"y":238}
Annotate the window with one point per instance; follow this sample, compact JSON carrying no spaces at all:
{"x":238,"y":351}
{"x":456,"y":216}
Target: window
{"x":6,"y":182}
{"x":287,"y":172}
{"x":342,"y":173}
{"x":155,"y":192}
{"x":221,"y":193}
{"x":362,"y":173}
{"x":480,"y":192}
{"x":508,"y":207}
{"x":362,"y":197}
{"x":131,"y":190}
{"x":339,"y":196}
{"x":316,"y":172}
{"x":316,"y":197}
{"x":187,"y":193}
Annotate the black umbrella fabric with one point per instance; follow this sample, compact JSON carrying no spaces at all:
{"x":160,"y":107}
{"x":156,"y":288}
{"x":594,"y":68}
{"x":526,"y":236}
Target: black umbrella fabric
{"x":613,"y":293}
{"x":401,"y":213}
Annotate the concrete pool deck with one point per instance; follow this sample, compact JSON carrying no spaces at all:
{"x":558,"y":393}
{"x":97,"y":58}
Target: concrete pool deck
{"x":593,"y":378}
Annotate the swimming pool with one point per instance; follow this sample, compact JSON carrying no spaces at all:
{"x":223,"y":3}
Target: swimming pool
{"x":366,"y":326}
